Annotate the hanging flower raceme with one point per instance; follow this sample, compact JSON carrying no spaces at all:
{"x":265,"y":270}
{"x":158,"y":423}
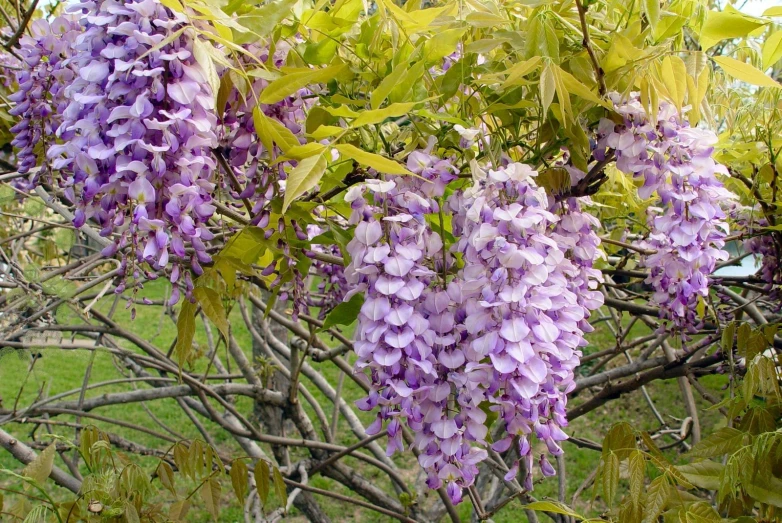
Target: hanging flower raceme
{"x":765,"y":245}
{"x":332,"y":284}
{"x":687,"y":233}
{"x":501,"y":333}
{"x":524,"y":318}
{"x":42,"y":76}
{"x":137,"y":133}
{"x":245,"y":153}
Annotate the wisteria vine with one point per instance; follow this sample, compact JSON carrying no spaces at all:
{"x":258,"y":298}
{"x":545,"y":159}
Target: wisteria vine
{"x":687,"y":235}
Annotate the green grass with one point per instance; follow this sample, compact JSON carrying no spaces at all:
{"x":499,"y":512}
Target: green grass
{"x":61,"y":370}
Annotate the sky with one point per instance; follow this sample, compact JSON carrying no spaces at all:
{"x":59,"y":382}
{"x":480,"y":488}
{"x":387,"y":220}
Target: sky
{"x":756,"y":7}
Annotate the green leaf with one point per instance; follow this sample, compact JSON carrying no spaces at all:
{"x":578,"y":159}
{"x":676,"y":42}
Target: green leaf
{"x":727,"y":337}
{"x":386,"y":85}
{"x":303,"y":177}
{"x":554,"y":507}
{"x":292,"y":82}
{"x":262,"y":482}
{"x":742,"y":337}
{"x":270,"y":131}
{"x":725,"y":441}
{"x":772,"y":49}
{"x":610,"y":478}
{"x":620,"y":440}
{"x":703,"y":474}
{"x":767,"y":490}
{"x":381,"y":164}
{"x":279,"y":486}
{"x":520,"y":70}
{"x":210,"y":493}
{"x":745,"y":72}
{"x":721,"y":25}
{"x":702,"y":513}
{"x":185,"y":326}
{"x":345,"y":313}
{"x":212,"y":305}
{"x":131,"y":514}
{"x":40,"y":468}
{"x":239,"y":479}
{"x":379,"y":115}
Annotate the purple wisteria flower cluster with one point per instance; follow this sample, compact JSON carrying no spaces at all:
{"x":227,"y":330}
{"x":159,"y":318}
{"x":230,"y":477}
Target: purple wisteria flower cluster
{"x":244,"y":151}
{"x":446,"y":345}
{"x":259,"y":179}
{"x":42,"y":78}
{"x":527,"y":289}
{"x":136,"y":126}
{"x":687,"y":234}
{"x":332,"y":284}
{"x":766,"y":247}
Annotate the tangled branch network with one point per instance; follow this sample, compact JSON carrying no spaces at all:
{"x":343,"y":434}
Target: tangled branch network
{"x":457,"y":328}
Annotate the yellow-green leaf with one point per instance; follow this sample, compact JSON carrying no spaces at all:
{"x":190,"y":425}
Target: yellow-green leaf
{"x":239,"y":479}
{"x":636,"y":469}
{"x":204,"y":58}
{"x":703,"y":474}
{"x":185,"y":326}
{"x":656,"y":498}
{"x":262,"y":482}
{"x":379,"y":115}
{"x":442,"y":44}
{"x":166,"y":475}
{"x":377,"y":162}
{"x":382,"y":91}
{"x":745,"y":72}
{"x":174,"y":5}
{"x":723,"y":441}
{"x":674,"y":77}
{"x":179,"y":510}
{"x":520,"y":70}
{"x":553,"y":507}
{"x":651,"y":9}
{"x":575,"y":87}
{"x":262,"y":20}
{"x":772,"y":49}
{"x":210,"y":493}
{"x":766,"y":490}
{"x":610,"y":478}
{"x":548,"y":86}
{"x":721,"y":25}
{"x":303,"y":177}
{"x":212,"y":305}
{"x":300,"y":152}
{"x":270,"y":131}
{"x":325,"y":131}
{"x":279,"y":486}
{"x":290,"y":83}
{"x":40,"y":468}
{"x":773,"y":11}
